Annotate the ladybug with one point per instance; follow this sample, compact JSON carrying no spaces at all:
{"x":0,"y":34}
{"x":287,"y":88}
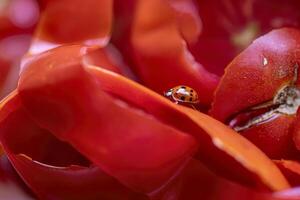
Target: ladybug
{"x":182,"y":94}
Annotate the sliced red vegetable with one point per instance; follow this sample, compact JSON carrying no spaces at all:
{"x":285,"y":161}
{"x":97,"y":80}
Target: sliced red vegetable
{"x":214,"y":187}
{"x":115,"y":136}
{"x":264,"y":76}
{"x":109,"y":58}
{"x":52,"y":168}
{"x":187,"y":18}
{"x":77,"y":22}
{"x":291,"y":170}
{"x":68,"y":99}
{"x":103,"y":57}
{"x":161,"y":57}
{"x":72,"y":182}
{"x":235,"y":147}
{"x":73,"y":21}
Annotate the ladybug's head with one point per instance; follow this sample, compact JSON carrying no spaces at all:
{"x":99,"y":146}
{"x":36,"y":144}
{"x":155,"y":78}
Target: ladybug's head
{"x":168,"y":93}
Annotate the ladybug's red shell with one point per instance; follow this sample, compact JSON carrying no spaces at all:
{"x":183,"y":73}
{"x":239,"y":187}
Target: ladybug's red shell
{"x":182,"y":94}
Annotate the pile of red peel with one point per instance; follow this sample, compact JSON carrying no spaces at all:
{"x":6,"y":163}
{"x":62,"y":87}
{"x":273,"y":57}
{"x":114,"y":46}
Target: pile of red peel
{"x":83,"y":116}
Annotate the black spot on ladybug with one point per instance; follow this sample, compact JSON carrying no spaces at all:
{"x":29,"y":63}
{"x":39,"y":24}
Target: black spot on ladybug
{"x":182,"y":98}
{"x":183,"y":87}
{"x":191,"y":99}
{"x":192,"y":91}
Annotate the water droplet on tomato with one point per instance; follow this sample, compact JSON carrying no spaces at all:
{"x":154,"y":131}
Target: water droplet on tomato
{"x":265,"y":61}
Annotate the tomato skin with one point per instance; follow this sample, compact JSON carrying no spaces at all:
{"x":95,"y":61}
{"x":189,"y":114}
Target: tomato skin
{"x":254,"y":77}
{"x":231,"y":26}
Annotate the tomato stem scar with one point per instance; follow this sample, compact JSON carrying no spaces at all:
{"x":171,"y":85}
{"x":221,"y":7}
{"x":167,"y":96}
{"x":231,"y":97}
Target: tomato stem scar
{"x":285,"y":102}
